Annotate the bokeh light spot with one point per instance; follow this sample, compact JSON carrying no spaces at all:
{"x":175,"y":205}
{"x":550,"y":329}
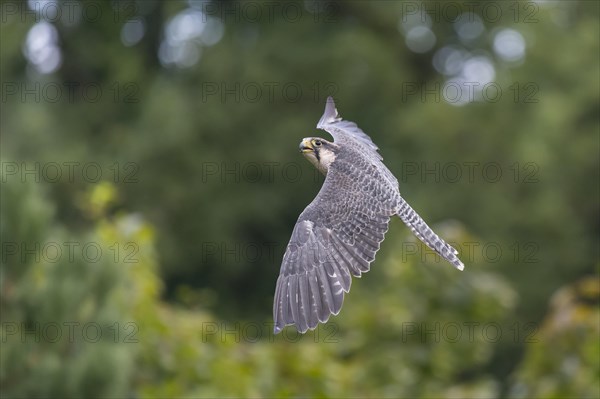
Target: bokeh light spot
{"x":469,"y":27}
{"x":41,"y":47}
{"x":449,"y":60}
{"x":420,"y":39}
{"x":509,"y":45}
{"x":133,"y":31}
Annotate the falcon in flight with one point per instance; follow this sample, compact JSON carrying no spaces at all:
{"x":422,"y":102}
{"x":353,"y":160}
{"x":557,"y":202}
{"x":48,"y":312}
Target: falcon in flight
{"x":339,"y":233}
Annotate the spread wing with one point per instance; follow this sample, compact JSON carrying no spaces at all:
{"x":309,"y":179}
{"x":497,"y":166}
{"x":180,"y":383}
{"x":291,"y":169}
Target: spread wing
{"x":336,"y":237}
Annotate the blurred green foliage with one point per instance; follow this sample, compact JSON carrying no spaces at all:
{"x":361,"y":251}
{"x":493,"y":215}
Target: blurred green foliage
{"x":181,"y":298}
{"x":565,"y":362}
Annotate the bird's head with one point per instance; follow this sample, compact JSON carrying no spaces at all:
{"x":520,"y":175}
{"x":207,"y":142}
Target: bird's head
{"x":320,"y":152}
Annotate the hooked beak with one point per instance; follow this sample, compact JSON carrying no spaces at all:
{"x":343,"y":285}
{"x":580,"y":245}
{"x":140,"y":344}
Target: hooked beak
{"x":306,"y":146}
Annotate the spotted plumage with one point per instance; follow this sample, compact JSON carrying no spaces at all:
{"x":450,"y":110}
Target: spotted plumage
{"x":340,"y":231}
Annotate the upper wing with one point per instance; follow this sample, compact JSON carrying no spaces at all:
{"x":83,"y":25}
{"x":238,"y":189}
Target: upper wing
{"x":349,"y":134}
{"x":336,"y":237}
{"x":342,"y":130}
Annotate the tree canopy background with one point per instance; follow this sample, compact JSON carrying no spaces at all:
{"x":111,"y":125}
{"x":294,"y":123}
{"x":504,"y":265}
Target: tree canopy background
{"x":150,"y":181}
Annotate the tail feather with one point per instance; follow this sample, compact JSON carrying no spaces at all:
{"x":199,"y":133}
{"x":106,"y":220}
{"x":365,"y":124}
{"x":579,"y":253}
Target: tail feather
{"x":424,"y":233}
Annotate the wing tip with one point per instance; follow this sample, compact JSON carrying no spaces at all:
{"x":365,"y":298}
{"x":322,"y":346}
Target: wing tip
{"x":330,"y":114}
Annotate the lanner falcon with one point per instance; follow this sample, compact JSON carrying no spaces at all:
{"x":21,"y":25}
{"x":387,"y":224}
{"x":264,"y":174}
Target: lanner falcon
{"x":339,"y":233}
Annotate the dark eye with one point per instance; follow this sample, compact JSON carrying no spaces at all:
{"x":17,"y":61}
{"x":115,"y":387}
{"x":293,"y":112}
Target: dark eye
{"x":318,"y":143}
